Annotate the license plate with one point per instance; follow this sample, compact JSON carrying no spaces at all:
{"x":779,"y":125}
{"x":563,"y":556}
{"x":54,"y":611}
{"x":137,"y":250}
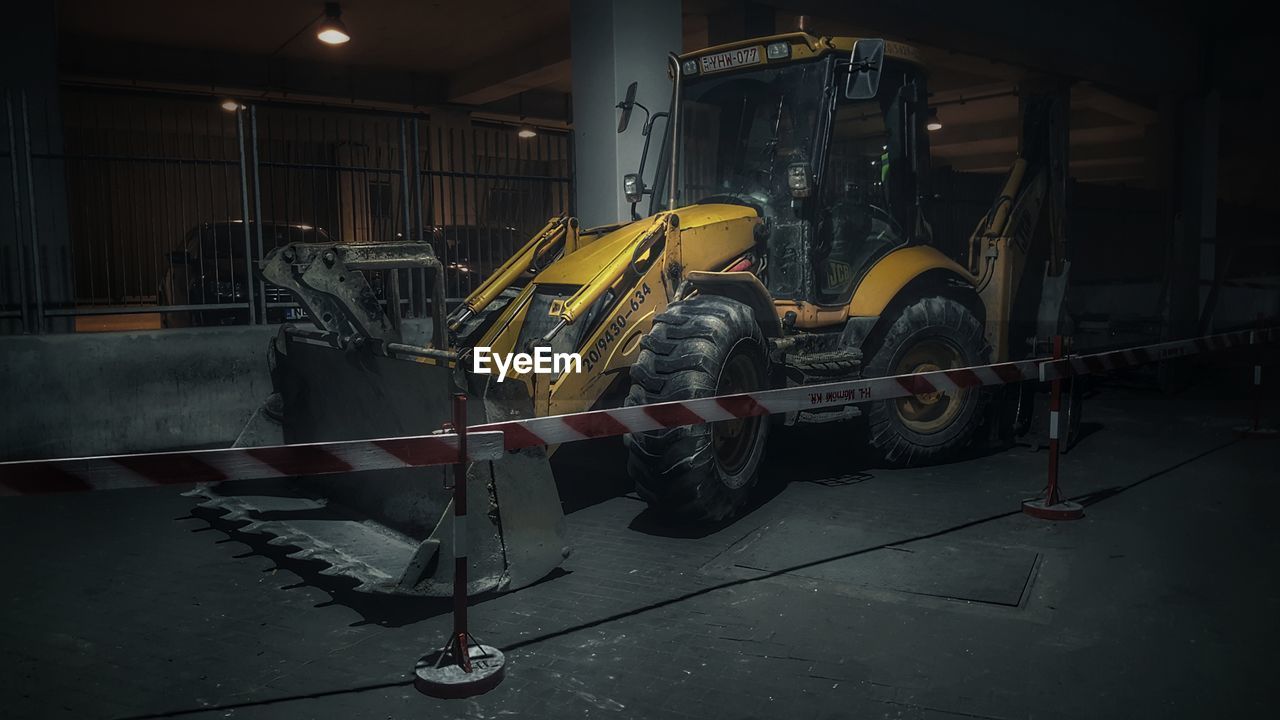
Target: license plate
{"x":294,"y":314}
{"x":730,"y":59}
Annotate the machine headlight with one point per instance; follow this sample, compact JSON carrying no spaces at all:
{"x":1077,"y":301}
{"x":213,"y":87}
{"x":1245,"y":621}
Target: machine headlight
{"x":799,"y":179}
{"x":778,"y":50}
{"x":632,"y":187}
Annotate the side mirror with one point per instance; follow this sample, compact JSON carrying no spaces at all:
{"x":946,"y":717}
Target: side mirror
{"x":626,"y":106}
{"x":633,"y":187}
{"x":865,"y":64}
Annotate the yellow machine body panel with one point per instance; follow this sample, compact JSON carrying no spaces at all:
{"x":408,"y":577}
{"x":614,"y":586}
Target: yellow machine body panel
{"x":877,"y":289}
{"x":893,"y":272}
{"x":711,"y":236}
{"x":730,"y":224}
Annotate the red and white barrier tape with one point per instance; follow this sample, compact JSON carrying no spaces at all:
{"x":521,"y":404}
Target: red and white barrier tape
{"x":1102,"y":362}
{"x":643,"y":418}
{"x":115,"y":472}
{"x":486,"y":442}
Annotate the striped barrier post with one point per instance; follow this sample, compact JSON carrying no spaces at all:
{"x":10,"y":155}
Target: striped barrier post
{"x":1052,"y":506}
{"x":463,"y":667}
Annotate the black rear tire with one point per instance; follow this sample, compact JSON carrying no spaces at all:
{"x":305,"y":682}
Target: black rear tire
{"x":935,"y":333}
{"x":701,"y":347}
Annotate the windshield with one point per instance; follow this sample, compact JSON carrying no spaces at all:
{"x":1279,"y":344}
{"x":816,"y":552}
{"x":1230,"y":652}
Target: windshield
{"x":739,"y":131}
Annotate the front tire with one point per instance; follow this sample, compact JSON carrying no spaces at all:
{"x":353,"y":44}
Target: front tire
{"x":702,"y":347}
{"x":935,"y":333}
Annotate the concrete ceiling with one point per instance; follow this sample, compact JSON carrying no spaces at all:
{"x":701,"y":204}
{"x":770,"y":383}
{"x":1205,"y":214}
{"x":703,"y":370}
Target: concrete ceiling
{"x":512,"y":56}
{"x":422,"y":36}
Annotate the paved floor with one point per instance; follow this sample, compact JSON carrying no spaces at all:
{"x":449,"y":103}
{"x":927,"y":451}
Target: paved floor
{"x":852,"y":592}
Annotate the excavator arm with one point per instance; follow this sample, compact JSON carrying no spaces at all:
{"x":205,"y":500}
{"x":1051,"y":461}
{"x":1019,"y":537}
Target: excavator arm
{"x":1030,"y":209}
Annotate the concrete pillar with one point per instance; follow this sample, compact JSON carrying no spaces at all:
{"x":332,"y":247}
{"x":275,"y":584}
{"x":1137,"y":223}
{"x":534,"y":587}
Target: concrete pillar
{"x":1206,"y":196}
{"x":1192,"y":257}
{"x":1192,"y":253}
{"x":35,"y":252}
{"x":614,"y":43}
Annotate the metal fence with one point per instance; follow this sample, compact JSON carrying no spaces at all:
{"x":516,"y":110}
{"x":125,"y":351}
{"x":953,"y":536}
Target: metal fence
{"x":170,"y":201}
{"x":13,"y":274}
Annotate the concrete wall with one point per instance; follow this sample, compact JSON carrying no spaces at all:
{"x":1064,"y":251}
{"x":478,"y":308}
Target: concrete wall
{"x":94,"y":394}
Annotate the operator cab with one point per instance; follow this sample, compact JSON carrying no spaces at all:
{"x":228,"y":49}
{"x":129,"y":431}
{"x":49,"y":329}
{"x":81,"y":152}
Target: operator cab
{"x":777,"y":125}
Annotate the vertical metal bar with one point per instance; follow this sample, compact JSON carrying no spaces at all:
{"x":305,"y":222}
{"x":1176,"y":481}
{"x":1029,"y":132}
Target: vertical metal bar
{"x":454,"y":182}
{"x":460,"y":634}
{"x":522,"y":186}
{"x":673,"y":125}
{"x":439,"y":333}
{"x":104,"y":177}
{"x":438,"y":206}
{"x":491,"y":228}
{"x":470,"y":209}
{"x":198,"y":220}
{"x":418,"y":299}
{"x":1055,"y":428}
{"x":536,"y":167}
{"x":87,"y":232}
{"x":404,"y":211}
{"x":360,"y":196}
{"x":152,"y":218}
{"x":136,"y":149}
{"x":244,"y":213}
{"x":17,"y":215}
{"x":1257,"y":377}
{"x":571,"y":153}
{"x":335,"y":231}
{"x":257,"y":216}
{"x":212,"y":227}
{"x":164,"y":215}
{"x":33,"y":219}
{"x":187,"y":230}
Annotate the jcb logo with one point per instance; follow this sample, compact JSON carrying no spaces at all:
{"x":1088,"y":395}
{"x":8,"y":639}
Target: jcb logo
{"x":557,"y":307}
{"x":837,"y":274}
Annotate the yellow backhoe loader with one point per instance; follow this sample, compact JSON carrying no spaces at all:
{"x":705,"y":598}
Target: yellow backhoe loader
{"x":787,"y":241}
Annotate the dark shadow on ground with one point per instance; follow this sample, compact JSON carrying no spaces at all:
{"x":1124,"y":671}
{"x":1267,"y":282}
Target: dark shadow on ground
{"x":832,"y":454}
{"x":589,"y":473}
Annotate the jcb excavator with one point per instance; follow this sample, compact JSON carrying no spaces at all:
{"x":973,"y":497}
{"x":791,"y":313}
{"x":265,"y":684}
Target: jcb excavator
{"x":787,"y":242}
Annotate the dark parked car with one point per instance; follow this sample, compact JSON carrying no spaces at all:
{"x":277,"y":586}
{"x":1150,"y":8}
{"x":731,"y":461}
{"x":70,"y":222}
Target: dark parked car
{"x":471,"y":253}
{"x":211,"y":269}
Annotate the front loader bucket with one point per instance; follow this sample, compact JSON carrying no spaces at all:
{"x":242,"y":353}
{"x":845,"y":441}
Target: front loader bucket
{"x":392,"y":530}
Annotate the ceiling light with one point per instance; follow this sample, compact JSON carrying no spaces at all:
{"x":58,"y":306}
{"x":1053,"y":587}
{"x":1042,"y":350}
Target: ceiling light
{"x":526,"y":132}
{"x":933,"y":124}
{"x":332,"y":30}
{"x":231,"y":105}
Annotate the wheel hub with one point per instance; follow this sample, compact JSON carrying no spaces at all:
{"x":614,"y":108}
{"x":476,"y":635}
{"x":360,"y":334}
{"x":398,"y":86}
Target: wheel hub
{"x":733,"y":440}
{"x":932,"y":411}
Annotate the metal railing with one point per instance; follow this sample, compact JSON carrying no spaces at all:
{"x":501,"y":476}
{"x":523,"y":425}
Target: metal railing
{"x":162,"y":204}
